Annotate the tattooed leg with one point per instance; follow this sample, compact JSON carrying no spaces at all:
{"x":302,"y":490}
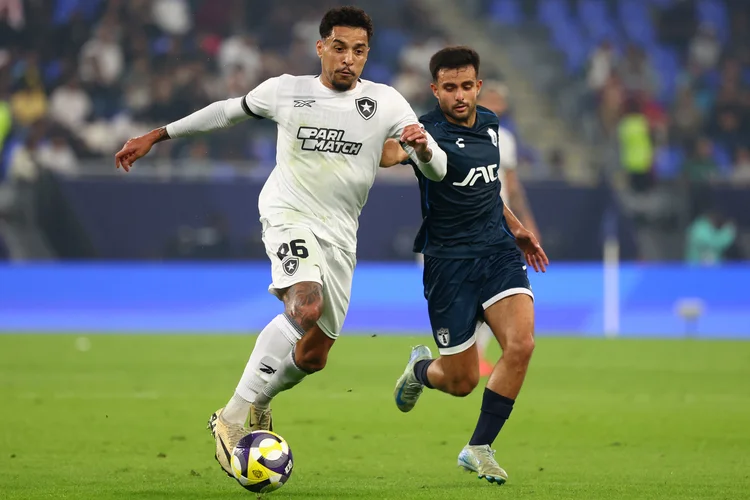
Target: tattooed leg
{"x":304,"y":306}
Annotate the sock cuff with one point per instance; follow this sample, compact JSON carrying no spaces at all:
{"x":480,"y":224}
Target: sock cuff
{"x":295,"y":365}
{"x":420,"y":372}
{"x":290,"y":328}
{"x":495,"y":404}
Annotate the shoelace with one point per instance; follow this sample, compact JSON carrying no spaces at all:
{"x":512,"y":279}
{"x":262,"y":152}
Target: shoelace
{"x":488,"y":454}
{"x":412,"y":389}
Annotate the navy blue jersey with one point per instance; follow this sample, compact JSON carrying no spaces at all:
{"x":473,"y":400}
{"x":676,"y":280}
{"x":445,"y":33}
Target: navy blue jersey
{"x":462,"y":215}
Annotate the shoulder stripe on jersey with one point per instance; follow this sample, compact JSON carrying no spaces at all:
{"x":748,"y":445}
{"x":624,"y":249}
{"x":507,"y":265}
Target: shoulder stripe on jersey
{"x":248,"y":111}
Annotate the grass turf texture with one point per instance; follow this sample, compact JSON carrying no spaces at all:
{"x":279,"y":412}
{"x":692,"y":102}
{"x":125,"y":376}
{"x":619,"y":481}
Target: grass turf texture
{"x":597,"y":419}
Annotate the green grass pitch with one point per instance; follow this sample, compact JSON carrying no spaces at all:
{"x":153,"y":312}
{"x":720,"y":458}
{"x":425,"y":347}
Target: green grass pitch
{"x":598,"y":419}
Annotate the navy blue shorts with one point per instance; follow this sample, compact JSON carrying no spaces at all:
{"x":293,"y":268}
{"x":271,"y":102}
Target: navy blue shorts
{"x":459,"y":290}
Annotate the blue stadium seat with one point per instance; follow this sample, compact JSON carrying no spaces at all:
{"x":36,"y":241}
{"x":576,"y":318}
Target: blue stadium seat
{"x":668,"y":162}
{"x":636,"y":21}
{"x":662,"y":4}
{"x":723,"y":158}
{"x":378,"y":72}
{"x":568,"y":37}
{"x":388,"y":48}
{"x":714,"y":12}
{"x":552,"y":12}
{"x":666,"y":62}
{"x":507,"y":12}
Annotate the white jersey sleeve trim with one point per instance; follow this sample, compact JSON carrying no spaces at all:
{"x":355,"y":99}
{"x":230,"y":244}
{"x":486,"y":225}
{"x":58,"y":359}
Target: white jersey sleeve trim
{"x":506,"y":144}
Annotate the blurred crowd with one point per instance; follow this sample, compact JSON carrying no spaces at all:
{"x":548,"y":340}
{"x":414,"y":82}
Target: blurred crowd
{"x":79,"y":77}
{"x":680,"y":109}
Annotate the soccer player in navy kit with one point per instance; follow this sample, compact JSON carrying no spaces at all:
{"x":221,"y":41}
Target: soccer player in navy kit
{"x":475,"y":256}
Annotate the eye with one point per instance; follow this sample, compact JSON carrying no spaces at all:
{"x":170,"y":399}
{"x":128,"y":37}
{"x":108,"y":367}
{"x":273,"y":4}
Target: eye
{"x":360,"y":52}
{"x":339,"y":49}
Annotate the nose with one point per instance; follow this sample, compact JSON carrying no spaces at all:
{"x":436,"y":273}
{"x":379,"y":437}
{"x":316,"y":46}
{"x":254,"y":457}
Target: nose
{"x":348,"y":58}
{"x":459,"y":95}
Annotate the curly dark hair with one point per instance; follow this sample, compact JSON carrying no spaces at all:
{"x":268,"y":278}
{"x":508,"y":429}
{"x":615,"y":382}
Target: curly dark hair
{"x":349,"y":16}
{"x":452,"y":58}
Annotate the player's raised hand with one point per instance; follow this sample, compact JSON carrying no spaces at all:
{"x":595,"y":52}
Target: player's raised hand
{"x":138,"y":147}
{"x":415,"y":136}
{"x":532,"y":250}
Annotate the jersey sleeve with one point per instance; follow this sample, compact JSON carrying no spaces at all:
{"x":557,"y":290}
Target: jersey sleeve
{"x":403,"y":116}
{"x":262,"y":100}
{"x":506,"y":144}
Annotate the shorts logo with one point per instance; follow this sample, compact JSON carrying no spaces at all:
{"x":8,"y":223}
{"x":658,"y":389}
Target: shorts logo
{"x":366,"y":107}
{"x":290,"y":266}
{"x":444,"y":337}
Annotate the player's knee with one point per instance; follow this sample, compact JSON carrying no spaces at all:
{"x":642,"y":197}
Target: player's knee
{"x":304,"y":303}
{"x":311,"y":360}
{"x":520,"y":348}
{"x":464,"y":385}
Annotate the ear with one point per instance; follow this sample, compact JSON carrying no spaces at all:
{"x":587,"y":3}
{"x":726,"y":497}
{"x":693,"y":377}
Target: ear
{"x":319,"y":48}
{"x":434,"y":90}
{"x":479,"y":86}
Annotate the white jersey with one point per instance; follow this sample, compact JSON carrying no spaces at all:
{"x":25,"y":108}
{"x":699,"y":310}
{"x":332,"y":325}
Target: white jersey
{"x":506,"y":143}
{"x":328,"y":151}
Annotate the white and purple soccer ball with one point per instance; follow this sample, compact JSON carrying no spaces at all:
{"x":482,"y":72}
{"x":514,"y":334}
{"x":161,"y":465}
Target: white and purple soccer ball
{"x":262,"y":461}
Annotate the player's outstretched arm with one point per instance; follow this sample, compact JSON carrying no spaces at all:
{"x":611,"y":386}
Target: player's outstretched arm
{"x":427,"y":155}
{"x":393,"y":154}
{"x":527,"y":242}
{"x":518,"y":200}
{"x":219,"y":115}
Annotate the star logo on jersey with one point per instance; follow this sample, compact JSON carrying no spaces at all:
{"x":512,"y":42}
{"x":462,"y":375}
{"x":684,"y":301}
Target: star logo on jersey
{"x":290,"y":266}
{"x":493,"y":136}
{"x":444,"y":337}
{"x":366,"y":107}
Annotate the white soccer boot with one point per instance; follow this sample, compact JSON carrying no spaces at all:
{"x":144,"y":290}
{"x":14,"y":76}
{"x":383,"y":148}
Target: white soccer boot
{"x":481,"y":459}
{"x":408,"y":388}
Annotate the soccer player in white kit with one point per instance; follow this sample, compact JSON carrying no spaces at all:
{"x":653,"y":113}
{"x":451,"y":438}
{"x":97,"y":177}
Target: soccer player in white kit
{"x":331,"y":131}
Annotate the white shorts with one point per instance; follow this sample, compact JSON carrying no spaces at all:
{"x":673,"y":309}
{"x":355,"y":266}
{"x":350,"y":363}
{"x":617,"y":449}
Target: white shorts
{"x":297,"y":255}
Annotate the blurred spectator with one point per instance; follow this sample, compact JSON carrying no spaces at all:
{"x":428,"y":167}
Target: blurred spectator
{"x":601,"y":64}
{"x":172,"y":16}
{"x":70,"y":105}
{"x":701,"y":167}
{"x":419,"y":52}
{"x":241,"y":51}
{"x":687,"y":118}
{"x":6,"y":115}
{"x":610,"y":103}
{"x":413,"y":85}
{"x":636,"y":72}
{"x":705,"y":48}
{"x":636,"y":146}
{"x":23,"y":166}
{"x":726,"y":128}
{"x":57,"y":156}
{"x":708,"y":238}
{"x":741,"y":172}
{"x":102,"y":60}
{"x":29,"y":104}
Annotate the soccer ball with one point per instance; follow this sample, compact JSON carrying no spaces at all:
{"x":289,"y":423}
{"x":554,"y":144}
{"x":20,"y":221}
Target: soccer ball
{"x":262,"y":461}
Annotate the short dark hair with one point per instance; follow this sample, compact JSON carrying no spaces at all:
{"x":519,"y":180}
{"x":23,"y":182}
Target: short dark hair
{"x":349,"y":16}
{"x":452,"y":58}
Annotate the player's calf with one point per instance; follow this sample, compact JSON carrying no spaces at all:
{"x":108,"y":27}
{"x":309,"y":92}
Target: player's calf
{"x":462,"y":383}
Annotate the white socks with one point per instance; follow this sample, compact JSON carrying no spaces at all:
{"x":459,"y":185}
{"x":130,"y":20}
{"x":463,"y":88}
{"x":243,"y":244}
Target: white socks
{"x":274,"y":345}
{"x":288,"y":376}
